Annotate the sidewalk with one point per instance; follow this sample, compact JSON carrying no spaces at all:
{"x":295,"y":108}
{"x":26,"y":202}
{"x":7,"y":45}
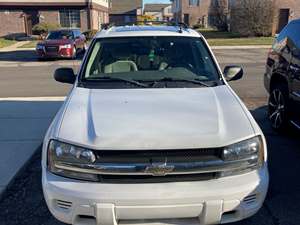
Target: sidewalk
{"x":24,"y":122}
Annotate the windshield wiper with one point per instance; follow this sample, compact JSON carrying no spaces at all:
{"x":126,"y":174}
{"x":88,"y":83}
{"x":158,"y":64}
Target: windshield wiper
{"x":195,"y":81}
{"x":122,"y":79}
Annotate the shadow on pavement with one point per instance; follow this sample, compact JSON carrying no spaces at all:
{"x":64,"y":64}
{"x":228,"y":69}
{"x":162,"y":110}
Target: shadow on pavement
{"x":26,"y":56}
{"x":19,"y":56}
{"x":24,"y":204}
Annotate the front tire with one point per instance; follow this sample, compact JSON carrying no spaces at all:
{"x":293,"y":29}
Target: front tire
{"x":278,"y":107}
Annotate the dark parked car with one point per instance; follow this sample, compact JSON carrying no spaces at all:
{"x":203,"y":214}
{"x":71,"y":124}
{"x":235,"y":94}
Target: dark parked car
{"x":282,"y":78}
{"x":62,"y":44}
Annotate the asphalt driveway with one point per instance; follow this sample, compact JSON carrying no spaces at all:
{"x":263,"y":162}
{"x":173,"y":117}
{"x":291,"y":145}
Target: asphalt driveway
{"x":23,"y":203}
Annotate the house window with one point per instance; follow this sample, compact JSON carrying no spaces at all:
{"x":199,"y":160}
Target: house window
{"x":194,"y":2}
{"x":69,"y":18}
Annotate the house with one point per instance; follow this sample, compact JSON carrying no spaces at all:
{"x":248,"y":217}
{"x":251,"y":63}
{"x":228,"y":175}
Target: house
{"x":19,"y":16}
{"x":160,"y":12}
{"x":277,"y":15}
{"x":285,"y":10}
{"x":192,"y":12}
{"x":125,"y":11}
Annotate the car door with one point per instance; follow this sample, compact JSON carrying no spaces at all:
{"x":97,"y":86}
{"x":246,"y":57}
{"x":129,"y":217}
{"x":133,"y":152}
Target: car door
{"x":280,"y":55}
{"x":294,"y":68}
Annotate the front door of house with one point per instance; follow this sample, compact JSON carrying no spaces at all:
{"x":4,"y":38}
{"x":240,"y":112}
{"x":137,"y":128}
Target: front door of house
{"x":31,"y":18}
{"x":186,"y":19}
{"x":28,"y":24}
{"x":284,"y":15}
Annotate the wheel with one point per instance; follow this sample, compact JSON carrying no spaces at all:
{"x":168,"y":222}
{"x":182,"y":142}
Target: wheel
{"x":278,"y":107}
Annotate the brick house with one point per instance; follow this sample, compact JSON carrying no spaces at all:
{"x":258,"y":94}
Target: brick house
{"x":19,"y":16}
{"x":192,"y":12}
{"x":161,"y":12}
{"x":285,"y":10}
{"x":125,"y":11}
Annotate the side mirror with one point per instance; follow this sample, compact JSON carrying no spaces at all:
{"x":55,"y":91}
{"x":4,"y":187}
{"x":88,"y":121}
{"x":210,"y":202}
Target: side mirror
{"x":232,"y":73}
{"x":65,"y":75}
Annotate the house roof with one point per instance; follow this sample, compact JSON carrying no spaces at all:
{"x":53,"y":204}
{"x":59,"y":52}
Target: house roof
{"x":155,"y":7}
{"x":125,"y":6}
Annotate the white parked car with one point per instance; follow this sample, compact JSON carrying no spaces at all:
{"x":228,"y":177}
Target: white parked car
{"x":152,"y":131}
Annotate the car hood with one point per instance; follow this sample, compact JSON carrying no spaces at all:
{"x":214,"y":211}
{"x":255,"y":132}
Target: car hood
{"x":57,"y":42}
{"x":154,"y":118}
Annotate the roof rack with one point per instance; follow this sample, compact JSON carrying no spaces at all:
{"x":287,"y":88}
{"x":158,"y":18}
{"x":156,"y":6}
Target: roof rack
{"x":147,"y":23}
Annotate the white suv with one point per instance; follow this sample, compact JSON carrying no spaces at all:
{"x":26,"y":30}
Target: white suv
{"x":151,"y":131}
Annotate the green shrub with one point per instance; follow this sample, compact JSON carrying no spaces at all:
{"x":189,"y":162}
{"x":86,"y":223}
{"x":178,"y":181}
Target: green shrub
{"x":42,"y":28}
{"x":89,"y":34}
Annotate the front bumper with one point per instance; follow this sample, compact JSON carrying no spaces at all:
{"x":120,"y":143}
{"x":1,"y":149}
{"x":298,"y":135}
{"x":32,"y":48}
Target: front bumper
{"x":205,"y":202}
{"x":62,"y":53}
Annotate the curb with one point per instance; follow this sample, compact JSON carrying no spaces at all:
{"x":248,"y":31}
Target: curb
{"x":16,"y":49}
{"x":36,"y":99}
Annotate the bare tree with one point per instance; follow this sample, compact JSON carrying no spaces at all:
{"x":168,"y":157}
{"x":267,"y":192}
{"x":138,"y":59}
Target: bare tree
{"x":252,"y":17}
{"x":218,"y":14}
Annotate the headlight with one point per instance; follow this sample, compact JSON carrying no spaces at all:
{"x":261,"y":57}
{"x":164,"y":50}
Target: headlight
{"x":61,"y":154}
{"x":39,"y":47}
{"x":66,"y":46}
{"x":249,"y":154}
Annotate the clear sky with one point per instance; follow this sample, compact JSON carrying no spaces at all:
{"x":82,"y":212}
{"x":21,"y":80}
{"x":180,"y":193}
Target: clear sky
{"x":156,"y":1}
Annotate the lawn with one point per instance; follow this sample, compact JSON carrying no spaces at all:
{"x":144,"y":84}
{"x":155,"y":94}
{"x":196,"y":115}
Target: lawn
{"x":220,"y":38}
{"x":240,"y":41}
{"x":5,"y":43}
{"x":31,"y":44}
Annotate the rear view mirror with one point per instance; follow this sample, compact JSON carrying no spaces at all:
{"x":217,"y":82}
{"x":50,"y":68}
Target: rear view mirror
{"x":65,"y":75}
{"x":232,"y":73}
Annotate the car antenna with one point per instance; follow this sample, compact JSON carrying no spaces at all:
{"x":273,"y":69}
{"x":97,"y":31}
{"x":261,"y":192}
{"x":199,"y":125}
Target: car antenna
{"x":180,"y":29}
{"x":181,"y":26}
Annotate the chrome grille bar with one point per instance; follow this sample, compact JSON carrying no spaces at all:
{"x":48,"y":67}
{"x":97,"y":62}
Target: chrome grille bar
{"x":157,"y":169}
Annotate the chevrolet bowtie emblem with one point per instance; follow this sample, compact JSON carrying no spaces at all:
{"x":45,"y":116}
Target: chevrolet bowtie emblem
{"x":159,"y":169}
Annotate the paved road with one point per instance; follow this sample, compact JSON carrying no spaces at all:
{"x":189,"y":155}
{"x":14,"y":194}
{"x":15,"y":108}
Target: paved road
{"x":23,"y":203}
{"x":22,"y":76}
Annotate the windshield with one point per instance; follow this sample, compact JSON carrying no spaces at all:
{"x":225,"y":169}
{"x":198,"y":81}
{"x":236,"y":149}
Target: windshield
{"x":150,"y":59}
{"x":63,"y":34}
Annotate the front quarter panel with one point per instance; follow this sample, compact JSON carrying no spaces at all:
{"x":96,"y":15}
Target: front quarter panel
{"x":53,"y":130}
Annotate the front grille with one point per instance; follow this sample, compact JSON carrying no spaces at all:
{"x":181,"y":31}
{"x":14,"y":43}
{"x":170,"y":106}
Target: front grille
{"x":152,"y":156}
{"x":189,"y":156}
{"x":52,"y":49}
{"x":154,"y":166}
